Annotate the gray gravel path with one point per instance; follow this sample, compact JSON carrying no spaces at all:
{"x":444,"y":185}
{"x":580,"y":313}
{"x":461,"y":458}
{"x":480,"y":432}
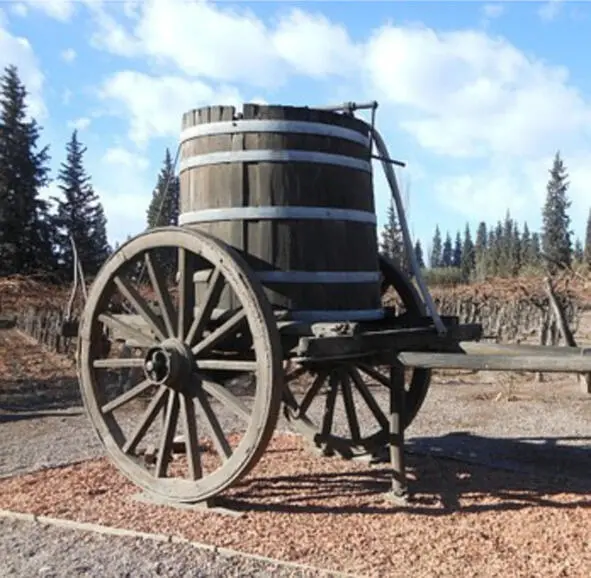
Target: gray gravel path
{"x":29,"y":549}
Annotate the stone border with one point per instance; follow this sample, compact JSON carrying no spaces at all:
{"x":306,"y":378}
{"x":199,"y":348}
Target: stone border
{"x":165,"y":538}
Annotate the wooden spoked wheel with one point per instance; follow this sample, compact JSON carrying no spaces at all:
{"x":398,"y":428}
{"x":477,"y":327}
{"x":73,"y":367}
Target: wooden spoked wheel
{"x":203,"y":396}
{"x":358,"y":390}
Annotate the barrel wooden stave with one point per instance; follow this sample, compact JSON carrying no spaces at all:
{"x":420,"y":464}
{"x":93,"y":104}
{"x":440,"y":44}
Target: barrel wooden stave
{"x":288,"y":245}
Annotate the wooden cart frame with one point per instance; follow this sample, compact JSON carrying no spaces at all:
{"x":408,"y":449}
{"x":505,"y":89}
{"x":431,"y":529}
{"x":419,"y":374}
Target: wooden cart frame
{"x":189,"y":348}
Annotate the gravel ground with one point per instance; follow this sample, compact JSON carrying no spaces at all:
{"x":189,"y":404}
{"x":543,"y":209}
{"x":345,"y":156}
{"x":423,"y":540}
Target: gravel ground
{"x":492,"y":415}
{"x":30,"y":549}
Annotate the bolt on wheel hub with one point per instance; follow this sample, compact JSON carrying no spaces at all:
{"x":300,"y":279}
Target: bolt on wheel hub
{"x":170,"y":363}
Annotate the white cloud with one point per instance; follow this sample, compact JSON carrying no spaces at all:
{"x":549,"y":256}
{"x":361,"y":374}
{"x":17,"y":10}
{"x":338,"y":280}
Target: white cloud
{"x":155,"y":105}
{"x":460,"y":94}
{"x":467,"y":94}
{"x":17,"y":51}
{"x":20,"y":9}
{"x":121,"y":156}
{"x":549,"y":10}
{"x":493,"y":10}
{"x":314,"y":46}
{"x":69,"y":55}
{"x":80,"y":124}
{"x":59,"y":9}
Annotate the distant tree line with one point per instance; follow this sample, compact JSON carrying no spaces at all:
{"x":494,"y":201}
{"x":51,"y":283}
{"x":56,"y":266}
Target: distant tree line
{"x":503,"y":249}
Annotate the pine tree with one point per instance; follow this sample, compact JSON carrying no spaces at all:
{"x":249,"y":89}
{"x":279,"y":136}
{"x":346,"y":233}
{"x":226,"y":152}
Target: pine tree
{"x":480,"y":252}
{"x":468,"y":260}
{"x":536,"y":252}
{"x":556,"y":236}
{"x":578,"y":254}
{"x":516,"y":251}
{"x":436,"y":249}
{"x":419,"y":254}
{"x":447,"y":253}
{"x":525,"y":247}
{"x":506,"y":251}
{"x":456,"y":259}
{"x":79,"y":214}
{"x":164,"y":207}
{"x":587,"y":249}
{"x":25,"y":224}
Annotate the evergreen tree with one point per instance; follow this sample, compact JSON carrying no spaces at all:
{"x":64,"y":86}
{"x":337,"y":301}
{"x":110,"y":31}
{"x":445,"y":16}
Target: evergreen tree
{"x":456,"y":259}
{"x":587,"y":249}
{"x":536,"y":254}
{"x":164,"y":207}
{"x":419,"y":254}
{"x":436,"y":249}
{"x":506,"y":251}
{"x":556,"y":236}
{"x":79,"y":214}
{"x":516,"y":251}
{"x":447,"y":253}
{"x":525,"y":247}
{"x":480,"y":252}
{"x":25,"y":224}
{"x":468,"y":260}
{"x":578,"y":253}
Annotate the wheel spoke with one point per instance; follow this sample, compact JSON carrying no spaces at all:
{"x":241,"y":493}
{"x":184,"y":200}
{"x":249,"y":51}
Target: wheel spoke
{"x":226,"y":365}
{"x":146,"y":420}
{"x":350,"y":408}
{"x":166,"y":307}
{"x":127,"y":396}
{"x":222,"y":331}
{"x":379,"y":377}
{"x":165,"y":451}
{"x":186,"y":288}
{"x":191,"y":437}
{"x":141,"y":306}
{"x":129,"y":331}
{"x":312,"y":393}
{"x":214,"y":291}
{"x":118,"y":362}
{"x":219,"y":439}
{"x":329,"y":407}
{"x":226,"y":398}
{"x":368,"y":398}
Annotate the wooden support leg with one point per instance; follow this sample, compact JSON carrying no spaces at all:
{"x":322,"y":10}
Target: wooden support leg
{"x":399,"y":491}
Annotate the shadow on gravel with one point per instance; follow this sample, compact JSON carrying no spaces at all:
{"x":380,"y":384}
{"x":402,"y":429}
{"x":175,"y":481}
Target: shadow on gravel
{"x":23,"y":415}
{"x":459,"y":472}
{"x":37,"y":395}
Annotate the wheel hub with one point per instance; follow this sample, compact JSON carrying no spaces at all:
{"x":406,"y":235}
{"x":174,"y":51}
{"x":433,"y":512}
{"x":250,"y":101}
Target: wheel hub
{"x":170,"y":363}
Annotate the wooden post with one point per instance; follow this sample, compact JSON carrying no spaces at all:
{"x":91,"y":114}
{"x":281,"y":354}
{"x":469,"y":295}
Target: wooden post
{"x":566,"y":332}
{"x":399,"y":492}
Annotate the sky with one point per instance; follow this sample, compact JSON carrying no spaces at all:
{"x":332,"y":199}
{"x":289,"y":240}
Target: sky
{"x":476,"y":97}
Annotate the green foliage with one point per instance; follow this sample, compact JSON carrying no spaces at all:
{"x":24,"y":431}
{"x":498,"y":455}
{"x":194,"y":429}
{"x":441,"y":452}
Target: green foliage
{"x":79,"y":214}
{"x":468,"y":260}
{"x":456,"y":258}
{"x":443,"y":276}
{"x":419,"y":254}
{"x":163,"y":210}
{"x":25,"y":223}
{"x":391,"y":243}
{"x":556,"y":235}
{"x":435,"y":260}
{"x":447,"y":253}
{"x":587,"y":248}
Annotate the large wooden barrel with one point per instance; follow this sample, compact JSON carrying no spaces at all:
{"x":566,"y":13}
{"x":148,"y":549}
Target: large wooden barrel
{"x":291,"y":188}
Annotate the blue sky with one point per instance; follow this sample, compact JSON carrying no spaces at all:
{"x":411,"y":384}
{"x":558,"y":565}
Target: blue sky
{"x":476,"y":97}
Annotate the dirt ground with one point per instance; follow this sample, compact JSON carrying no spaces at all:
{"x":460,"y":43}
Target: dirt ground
{"x":500,"y":465}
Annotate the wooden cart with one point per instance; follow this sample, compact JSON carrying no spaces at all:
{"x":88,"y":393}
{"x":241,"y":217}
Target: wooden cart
{"x":268,"y":298}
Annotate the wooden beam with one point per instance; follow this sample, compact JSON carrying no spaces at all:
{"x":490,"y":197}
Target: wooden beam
{"x":549,"y":363}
